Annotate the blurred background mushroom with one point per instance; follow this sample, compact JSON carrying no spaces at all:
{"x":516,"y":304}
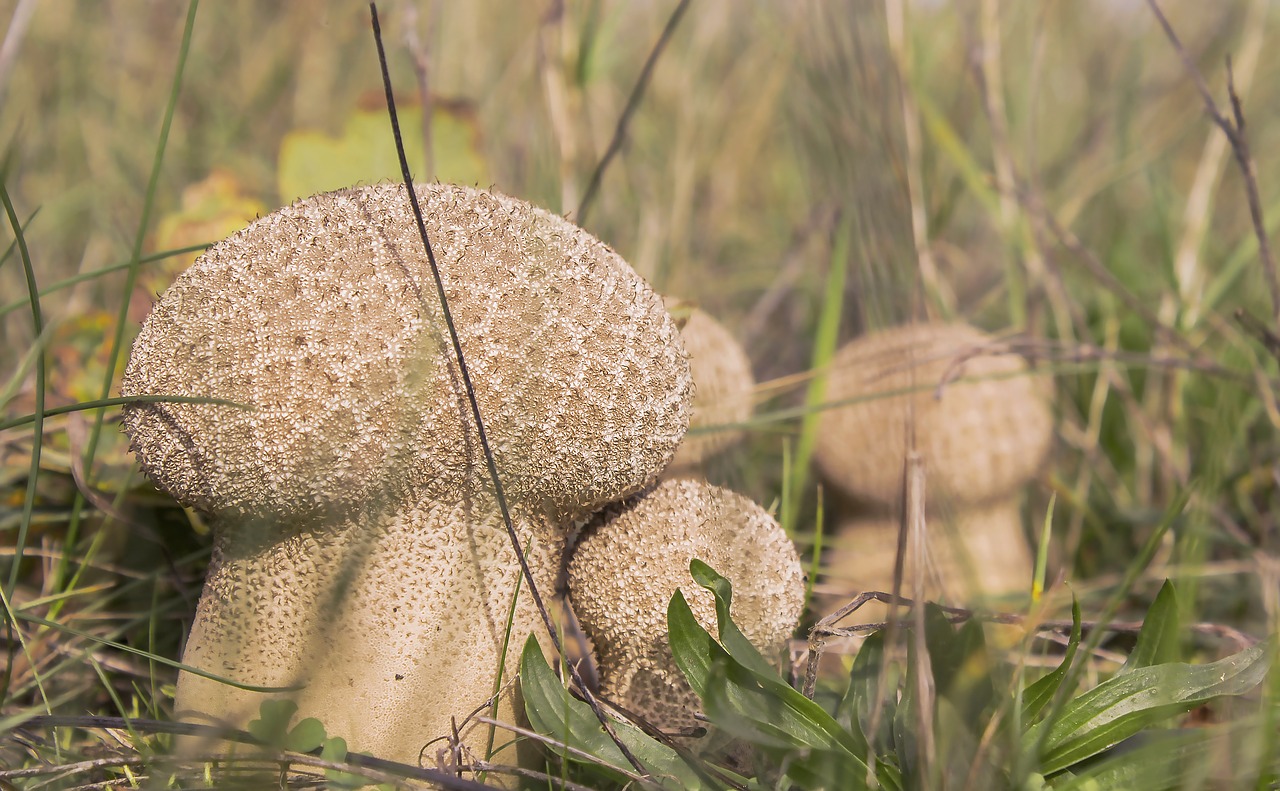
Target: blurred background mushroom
{"x":635,"y":555}
{"x":723,"y":389}
{"x":358,"y":549}
{"x":982,"y":425}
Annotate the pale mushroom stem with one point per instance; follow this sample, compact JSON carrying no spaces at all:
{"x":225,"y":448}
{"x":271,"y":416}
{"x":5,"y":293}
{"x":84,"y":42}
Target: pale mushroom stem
{"x":361,"y":625}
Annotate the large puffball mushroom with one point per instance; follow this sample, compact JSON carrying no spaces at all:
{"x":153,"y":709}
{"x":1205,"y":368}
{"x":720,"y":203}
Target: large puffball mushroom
{"x":723,"y":387}
{"x":982,"y":425}
{"x":358,"y":549}
{"x":634,"y":556}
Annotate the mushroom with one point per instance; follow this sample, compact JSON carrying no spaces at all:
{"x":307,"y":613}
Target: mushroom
{"x":358,"y":550}
{"x":723,"y":387}
{"x":980,"y":549}
{"x":982,"y":426}
{"x":633,"y":557}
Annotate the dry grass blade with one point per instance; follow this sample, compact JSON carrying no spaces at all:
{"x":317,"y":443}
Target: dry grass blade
{"x":1235,"y":132}
{"x":633,"y":101}
{"x":387,"y":771}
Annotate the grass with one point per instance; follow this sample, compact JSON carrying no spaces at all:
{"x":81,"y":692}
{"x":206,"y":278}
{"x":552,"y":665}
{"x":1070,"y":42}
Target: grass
{"x":805,"y":172}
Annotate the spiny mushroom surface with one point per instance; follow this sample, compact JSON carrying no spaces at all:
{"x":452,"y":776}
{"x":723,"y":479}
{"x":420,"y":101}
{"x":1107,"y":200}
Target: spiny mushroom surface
{"x":723,"y":385}
{"x":634,"y":556}
{"x":982,"y":425}
{"x":358,"y":549}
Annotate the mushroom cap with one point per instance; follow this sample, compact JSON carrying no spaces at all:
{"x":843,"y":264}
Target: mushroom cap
{"x":322,"y":319}
{"x":635,"y":555}
{"x":971,"y":554}
{"x":723,"y":386}
{"x":985,"y":436}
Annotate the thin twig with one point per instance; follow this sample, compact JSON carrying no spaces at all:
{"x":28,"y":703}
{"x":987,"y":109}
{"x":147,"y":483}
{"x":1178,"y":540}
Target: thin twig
{"x":1234,"y":129}
{"x":633,"y":101}
{"x":481,"y":434}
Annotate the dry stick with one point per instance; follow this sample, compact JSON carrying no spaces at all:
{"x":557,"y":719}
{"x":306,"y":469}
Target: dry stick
{"x":481,"y":434}
{"x":1235,"y":133}
{"x":633,"y":101}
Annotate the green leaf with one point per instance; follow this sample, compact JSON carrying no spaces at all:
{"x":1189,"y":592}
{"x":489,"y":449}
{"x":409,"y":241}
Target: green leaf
{"x":335,"y":750}
{"x":305,"y":736}
{"x":747,"y":699}
{"x":691,"y":645}
{"x":1041,"y":692}
{"x":272,"y":725}
{"x":855,"y":710}
{"x":962,"y":668}
{"x":1126,"y":704}
{"x":1158,"y":641}
{"x":731,"y":637}
{"x":553,"y":712}
{"x":1160,"y":762}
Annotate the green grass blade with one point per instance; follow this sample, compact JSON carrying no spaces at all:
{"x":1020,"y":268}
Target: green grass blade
{"x":37,"y":438}
{"x":824,"y":347}
{"x":131,"y":273}
{"x":94,"y":274}
{"x":103,"y":403}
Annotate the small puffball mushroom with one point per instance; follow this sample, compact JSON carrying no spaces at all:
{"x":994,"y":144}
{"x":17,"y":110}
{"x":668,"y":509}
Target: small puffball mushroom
{"x":723,"y":385}
{"x":358,"y":549}
{"x":982,"y":426}
{"x":634,"y":556}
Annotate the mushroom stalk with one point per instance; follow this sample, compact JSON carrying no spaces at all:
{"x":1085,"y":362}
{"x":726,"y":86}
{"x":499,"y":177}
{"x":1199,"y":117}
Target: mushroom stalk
{"x":357,"y":621}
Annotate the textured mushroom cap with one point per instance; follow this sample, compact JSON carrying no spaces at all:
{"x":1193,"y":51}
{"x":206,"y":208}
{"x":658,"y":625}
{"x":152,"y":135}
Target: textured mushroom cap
{"x":402,"y":629}
{"x":985,"y":437}
{"x":322,"y":318}
{"x":632,"y":559}
{"x":970,"y":555}
{"x":723,"y":386}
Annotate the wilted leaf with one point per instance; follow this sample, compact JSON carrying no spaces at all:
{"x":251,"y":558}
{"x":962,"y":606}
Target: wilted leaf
{"x":212,"y":209}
